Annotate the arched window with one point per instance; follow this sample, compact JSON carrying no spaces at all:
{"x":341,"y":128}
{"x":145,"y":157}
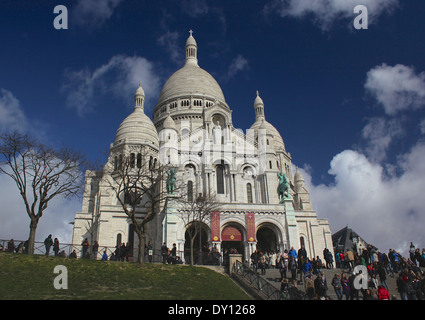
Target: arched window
{"x":120,"y":162}
{"x":249,"y":192}
{"x":185,"y":131}
{"x":139,"y":160}
{"x":132,"y":160}
{"x":220,"y":179}
{"x":119,"y":239}
{"x":190,"y":191}
{"x":302,"y":242}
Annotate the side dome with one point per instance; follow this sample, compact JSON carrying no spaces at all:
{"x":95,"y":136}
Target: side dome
{"x":277,"y":138}
{"x":169,"y":123}
{"x":137,"y":128}
{"x":262,"y":123}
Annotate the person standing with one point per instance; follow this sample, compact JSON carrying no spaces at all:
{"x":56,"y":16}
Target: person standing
{"x":382,"y":275}
{"x":383,"y":293}
{"x":302,"y":253}
{"x":85,"y":244}
{"x":293,"y":253}
{"x":309,"y":287}
{"x":336,"y":283}
{"x":345,"y":284}
{"x":350,"y":260}
{"x":254,"y":260}
{"x":173,"y":254}
{"x":164,"y":253}
{"x":262,"y":263}
{"x":48,"y":242}
{"x":292,"y":266}
{"x":56,"y":247}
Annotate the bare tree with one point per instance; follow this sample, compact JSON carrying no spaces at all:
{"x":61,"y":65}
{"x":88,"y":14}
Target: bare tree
{"x":195,"y":213}
{"x":138,"y":182}
{"x":40,"y":173}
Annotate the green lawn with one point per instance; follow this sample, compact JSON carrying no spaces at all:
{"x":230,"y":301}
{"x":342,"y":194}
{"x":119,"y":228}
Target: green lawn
{"x":30,"y":277}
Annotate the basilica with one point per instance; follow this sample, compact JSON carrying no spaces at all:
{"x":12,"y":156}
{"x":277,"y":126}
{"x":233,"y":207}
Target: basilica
{"x":192,"y":129}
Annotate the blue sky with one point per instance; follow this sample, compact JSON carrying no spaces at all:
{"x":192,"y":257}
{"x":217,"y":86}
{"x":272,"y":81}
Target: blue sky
{"x":348,"y":103}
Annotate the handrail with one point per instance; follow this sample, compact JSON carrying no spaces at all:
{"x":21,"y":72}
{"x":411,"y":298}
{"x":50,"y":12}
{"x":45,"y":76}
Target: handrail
{"x":261,"y":285}
{"x":39,"y":248}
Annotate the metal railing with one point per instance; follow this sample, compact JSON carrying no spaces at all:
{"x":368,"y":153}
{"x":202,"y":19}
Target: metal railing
{"x":66,"y":248}
{"x":261,"y":286}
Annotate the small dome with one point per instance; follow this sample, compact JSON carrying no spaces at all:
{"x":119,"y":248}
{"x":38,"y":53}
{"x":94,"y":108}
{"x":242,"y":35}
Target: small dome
{"x":270,"y":129}
{"x":258,"y":101}
{"x":169,"y":123}
{"x":137,"y":128}
{"x":191,"y":40}
{"x":298,"y":176}
{"x":140,"y":91}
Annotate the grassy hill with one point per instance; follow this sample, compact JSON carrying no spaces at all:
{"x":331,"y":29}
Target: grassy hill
{"x":28,"y":277}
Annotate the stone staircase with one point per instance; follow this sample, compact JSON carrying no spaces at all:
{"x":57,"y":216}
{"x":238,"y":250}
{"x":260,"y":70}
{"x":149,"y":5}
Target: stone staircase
{"x":273,"y":277}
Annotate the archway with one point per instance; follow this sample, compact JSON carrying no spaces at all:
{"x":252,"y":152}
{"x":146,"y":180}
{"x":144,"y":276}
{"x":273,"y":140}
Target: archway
{"x":267,"y":239}
{"x":200,"y":243}
{"x":232,"y":240}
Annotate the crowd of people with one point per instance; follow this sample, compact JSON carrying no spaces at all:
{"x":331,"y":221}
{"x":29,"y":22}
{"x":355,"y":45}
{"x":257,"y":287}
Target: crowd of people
{"x":297,"y":269}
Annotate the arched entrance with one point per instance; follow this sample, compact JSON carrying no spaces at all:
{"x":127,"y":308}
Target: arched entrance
{"x":267,"y":239}
{"x":200,"y":242}
{"x":232,"y":240}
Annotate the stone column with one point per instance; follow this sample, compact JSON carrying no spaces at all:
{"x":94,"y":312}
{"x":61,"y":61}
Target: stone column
{"x":291,"y":223}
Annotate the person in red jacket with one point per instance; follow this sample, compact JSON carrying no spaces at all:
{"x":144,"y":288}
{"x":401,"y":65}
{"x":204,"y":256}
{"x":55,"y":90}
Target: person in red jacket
{"x":383,"y":293}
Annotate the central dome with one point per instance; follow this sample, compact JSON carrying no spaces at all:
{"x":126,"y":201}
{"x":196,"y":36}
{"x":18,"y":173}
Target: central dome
{"x":190,"y":80}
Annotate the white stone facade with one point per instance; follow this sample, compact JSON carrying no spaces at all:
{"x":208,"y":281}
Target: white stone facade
{"x":192,"y":129}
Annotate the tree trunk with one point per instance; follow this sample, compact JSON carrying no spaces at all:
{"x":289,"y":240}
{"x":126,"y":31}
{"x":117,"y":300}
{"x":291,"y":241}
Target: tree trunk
{"x":192,"y":240}
{"x":31,"y":238}
{"x":141,"y":251}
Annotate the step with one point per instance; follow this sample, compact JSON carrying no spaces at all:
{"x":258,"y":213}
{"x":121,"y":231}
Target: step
{"x":273,"y":277}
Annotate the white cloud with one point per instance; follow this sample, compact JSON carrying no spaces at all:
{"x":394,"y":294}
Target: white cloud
{"x":422,"y":126}
{"x":195,"y":9}
{"x":120,"y":77}
{"x":93,"y":13}
{"x":381,"y":200}
{"x":325,"y":13}
{"x":379,"y":133}
{"x":12,"y":117}
{"x":238,"y":64}
{"x":170,"y":41}
{"x":396,"y":88}
{"x":386,"y":211}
